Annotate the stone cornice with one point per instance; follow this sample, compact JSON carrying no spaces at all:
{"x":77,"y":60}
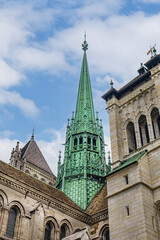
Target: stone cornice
{"x":49,"y":200}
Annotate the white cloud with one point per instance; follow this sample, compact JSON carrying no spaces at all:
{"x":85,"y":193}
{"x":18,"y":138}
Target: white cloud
{"x":6,"y":148}
{"x":27,"y":106}
{"x":49,"y":149}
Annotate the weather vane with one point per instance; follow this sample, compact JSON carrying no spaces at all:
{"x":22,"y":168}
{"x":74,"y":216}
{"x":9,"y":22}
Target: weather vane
{"x":152,"y":51}
{"x":85,"y":44}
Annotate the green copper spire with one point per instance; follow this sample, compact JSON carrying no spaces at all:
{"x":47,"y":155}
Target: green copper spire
{"x":83,"y":171}
{"x":84,"y":107}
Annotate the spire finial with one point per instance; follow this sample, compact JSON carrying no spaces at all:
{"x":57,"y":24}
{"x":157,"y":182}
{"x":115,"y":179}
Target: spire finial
{"x":85,"y":44}
{"x":85,"y":35}
{"x":111,"y":83}
{"x":32,"y":137}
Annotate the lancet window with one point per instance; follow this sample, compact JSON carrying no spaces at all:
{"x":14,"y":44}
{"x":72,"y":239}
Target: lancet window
{"x":81,"y":140}
{"x":12,"y":219}
{"x":75,"y":141}
{"x":49,"y":231}
{"x":143,"y":128}
{"x":155,"y":117}
{"x":64,"y":231}
{"x":132,"y":145}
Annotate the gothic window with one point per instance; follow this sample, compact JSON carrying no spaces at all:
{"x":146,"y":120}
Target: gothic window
{"x":49,"y":231}
{"x":35,"y":175}
{"x":81,"y":140}
{"x":47,"y":235}
{"x":75,"y":141}
{"x":64,"y":231}
{"x":89,"y":140}
{"x":105,"y":234}
{"x":143,"y":128}
{"x":27,"y":172}
{"x":132,"y":145}
{"x":155,"y":117}
{"x":43,"y":180}
{"x":11,"y":222}
{"x":94,"y":142}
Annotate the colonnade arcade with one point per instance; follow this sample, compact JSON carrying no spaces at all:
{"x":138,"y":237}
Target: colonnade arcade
{"x":143,"y":130}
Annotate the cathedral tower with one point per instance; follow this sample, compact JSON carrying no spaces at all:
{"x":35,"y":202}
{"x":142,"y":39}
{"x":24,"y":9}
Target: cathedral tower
{"x":83,"y":171}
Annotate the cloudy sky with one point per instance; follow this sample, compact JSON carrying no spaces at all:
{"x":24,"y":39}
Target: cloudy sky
{"x":41,"y":55}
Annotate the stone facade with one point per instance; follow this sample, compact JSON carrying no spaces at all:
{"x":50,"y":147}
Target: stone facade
{"x":38,"y":204}
{"x":134,"y":184}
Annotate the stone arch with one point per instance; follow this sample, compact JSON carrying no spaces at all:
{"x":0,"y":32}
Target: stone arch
{"x":4,"y":197}
{"x":19,"y":206}
{"x":52,"y":219}
{"x":14,"y":222}
{"x":143,"y":129}
{"x":131,"y":136}
{"x":104,"y":233}
{"x":155,"y":118}
{"x":50,"y":228}
{"x":65,"y":228}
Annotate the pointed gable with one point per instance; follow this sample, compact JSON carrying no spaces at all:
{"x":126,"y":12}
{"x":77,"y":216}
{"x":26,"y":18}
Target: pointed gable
{"x":33,"y":155}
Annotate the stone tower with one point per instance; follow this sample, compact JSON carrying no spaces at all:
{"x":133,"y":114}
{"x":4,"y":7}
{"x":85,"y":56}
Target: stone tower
{"x":83,"y":171}
{"x":133,"y":186}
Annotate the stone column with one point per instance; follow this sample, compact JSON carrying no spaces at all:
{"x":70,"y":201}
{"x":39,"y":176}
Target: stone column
{"x":150,"y":128}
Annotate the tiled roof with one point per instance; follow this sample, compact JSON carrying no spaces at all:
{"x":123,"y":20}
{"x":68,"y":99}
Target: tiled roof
{"x":129,"y":161}
{"x":33,"y":155}
{"x":99,"y":202}
{"x":35,"y":183}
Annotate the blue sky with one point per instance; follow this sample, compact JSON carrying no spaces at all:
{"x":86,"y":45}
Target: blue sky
{"x":40,"y":62}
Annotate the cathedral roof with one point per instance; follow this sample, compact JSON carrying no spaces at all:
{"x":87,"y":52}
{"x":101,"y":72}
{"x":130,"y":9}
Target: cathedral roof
{"x":99,"y":202}
{"x":22,"y":177}
{"x":33,"y":155}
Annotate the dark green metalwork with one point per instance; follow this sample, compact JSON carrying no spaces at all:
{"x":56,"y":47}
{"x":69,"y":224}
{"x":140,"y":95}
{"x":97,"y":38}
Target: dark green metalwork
{"x":83,"y":171}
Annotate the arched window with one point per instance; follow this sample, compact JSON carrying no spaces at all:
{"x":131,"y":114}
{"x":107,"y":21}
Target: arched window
{"x":35,"y":175}
{"x":89,"y":140}
{"x":143,"y":128}
{"x":64,"y":231}
{"x":16,"y":163}
{"x":105,"y":234}
{"x":49,"y":231}
{"x":94,"y":142}
{"x":75,"y":141}
{"x":43,"y":180}
{"x":81,"y":140}
{"x":50,"y":183}
{"x":155,"y":122}
{"x":132,"y":145}
{"x":11,"y":222}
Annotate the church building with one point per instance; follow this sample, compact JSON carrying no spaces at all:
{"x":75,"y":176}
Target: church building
{"x":89,"y":199}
